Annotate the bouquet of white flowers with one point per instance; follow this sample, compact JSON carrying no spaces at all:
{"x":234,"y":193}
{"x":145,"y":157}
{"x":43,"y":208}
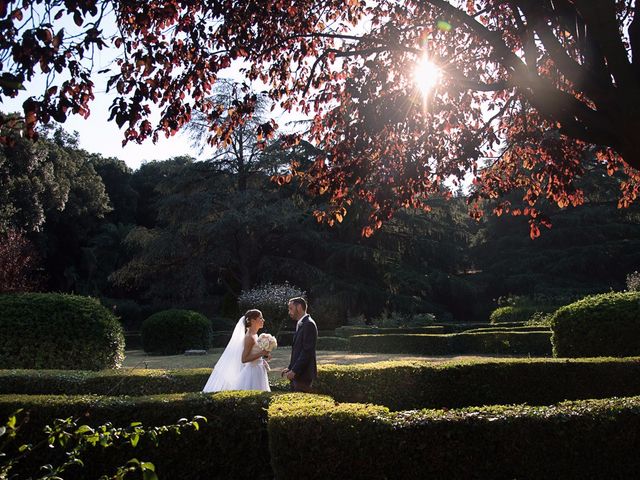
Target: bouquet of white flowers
{"x":267,"y":342}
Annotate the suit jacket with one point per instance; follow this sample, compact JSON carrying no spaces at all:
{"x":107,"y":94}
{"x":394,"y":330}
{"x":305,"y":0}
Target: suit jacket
{"x":303,"y":351}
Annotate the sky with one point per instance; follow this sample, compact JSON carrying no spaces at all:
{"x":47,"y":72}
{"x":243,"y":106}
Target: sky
{"x":98,"y":135}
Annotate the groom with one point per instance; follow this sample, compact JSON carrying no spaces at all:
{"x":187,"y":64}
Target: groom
{"x":302,"y":369}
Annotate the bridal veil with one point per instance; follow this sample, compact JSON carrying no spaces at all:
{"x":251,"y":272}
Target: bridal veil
{"x":227,"y":371}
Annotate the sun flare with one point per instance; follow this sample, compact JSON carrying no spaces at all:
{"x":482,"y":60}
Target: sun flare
{"x":426,"y":75}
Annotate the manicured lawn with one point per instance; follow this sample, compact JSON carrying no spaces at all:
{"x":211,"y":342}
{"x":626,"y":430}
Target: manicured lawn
{"x":139,"y":359}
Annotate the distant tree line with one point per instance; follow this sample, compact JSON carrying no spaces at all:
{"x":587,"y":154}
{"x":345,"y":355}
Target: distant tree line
{"x":195,"y":234}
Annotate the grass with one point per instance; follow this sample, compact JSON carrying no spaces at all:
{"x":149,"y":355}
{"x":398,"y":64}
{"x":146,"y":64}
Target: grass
{"x":139,"y":359}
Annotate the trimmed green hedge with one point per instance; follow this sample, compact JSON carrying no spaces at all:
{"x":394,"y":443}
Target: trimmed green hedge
{"x":523,"y":328}
{"x":348,"y":331}
{"x":51,"y":330}
{"x":605,"y":324}
{"x":136,"y":382}
{"x":285,"y":338}
{"x":411,"y":385}
{"x":574,"y":440}
{"x":397,"y":385}
{"x":500,"y":343}
{"x":327,"y":333}
{"x":465,"y":327}
{"x":171,"y":332}
{"x":332,"y":343}
{"x":233,"y":443}
{"x":248,"y":432}
{"x":514,"y":313}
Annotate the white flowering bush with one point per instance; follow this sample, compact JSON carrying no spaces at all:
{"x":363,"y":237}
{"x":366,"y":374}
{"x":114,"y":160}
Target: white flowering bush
{"x":633,"y":282}
{"x":272,"y":300}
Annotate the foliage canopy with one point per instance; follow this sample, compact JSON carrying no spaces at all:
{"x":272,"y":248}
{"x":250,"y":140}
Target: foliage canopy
{"x":530,"y":90}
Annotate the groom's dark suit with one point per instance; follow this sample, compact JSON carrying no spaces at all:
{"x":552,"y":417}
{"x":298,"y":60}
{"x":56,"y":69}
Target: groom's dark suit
{"x":303,"y":354}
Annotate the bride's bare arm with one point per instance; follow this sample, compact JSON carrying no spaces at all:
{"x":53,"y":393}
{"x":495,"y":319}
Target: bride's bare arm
{"x":249,"y":341}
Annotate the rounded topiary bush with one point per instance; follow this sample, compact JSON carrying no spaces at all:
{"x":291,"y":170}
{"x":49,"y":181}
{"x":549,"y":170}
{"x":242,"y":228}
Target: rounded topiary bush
{"x":58,"y":331}
{"x":512,"y":313}
{"x":598,"y":325}
{"x":171,"y":332}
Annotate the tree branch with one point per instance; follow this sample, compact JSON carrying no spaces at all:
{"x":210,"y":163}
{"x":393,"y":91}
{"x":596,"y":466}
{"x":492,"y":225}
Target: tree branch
{"x":634,"y":38}
{"x":494,"y":39}
{"x":601,"y":19}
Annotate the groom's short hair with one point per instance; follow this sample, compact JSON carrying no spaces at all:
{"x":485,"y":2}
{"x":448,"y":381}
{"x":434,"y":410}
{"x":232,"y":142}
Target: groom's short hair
{"x":299,"y":301}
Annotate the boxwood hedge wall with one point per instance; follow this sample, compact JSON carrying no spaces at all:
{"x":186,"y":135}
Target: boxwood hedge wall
{"x":411,"y":385}
{"x":397,"y":385}
{"x":332,"y":343}
{"x":500,"y":343}
{"x":589,"y":439}
{"x":107,"y":382}
{"x":233,"y":443}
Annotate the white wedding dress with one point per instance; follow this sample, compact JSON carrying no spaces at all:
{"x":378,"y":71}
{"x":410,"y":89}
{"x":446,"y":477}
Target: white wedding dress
{"x":253,"y":375}
{"x":231,"y":374}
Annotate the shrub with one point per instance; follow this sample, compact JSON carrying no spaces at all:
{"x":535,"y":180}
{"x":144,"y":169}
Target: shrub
{"x":171,"y":332}
{"x":421,"y":320}
{"x":130,"y":312}
{"x":411,"y":385}
{"x":500,"y":343}
{"x":236,"y":425}
{"x":598,"y":325}
{"x":332,"y":343}
{"x":511,"y":313}
{"x":585,"y":439}
{"x":633,"y":282}
{"x":73,"y":440}
{"x":389,"y":320}
{"x":329,"y":312}
{"x":357,"y":321}
{"x":272,"y":301}
{"x":540,"y":319}
{"x":401,"y":320}
{"x":526,"y":308}
{"x":50,"y":330}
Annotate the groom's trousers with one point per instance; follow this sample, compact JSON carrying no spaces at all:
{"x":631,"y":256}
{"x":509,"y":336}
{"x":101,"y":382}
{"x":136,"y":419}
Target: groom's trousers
{"x":298,"y":386}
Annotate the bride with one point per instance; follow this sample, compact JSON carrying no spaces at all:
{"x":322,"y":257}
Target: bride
{"x":242,"y":366}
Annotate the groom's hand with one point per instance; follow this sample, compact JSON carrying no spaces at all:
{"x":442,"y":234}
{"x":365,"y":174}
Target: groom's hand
{"x":284,"y":372}
{"x":290,"y":374}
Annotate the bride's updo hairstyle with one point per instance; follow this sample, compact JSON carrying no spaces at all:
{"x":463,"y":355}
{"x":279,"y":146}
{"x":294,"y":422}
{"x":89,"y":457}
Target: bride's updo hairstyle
{"x":250,"y":315}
